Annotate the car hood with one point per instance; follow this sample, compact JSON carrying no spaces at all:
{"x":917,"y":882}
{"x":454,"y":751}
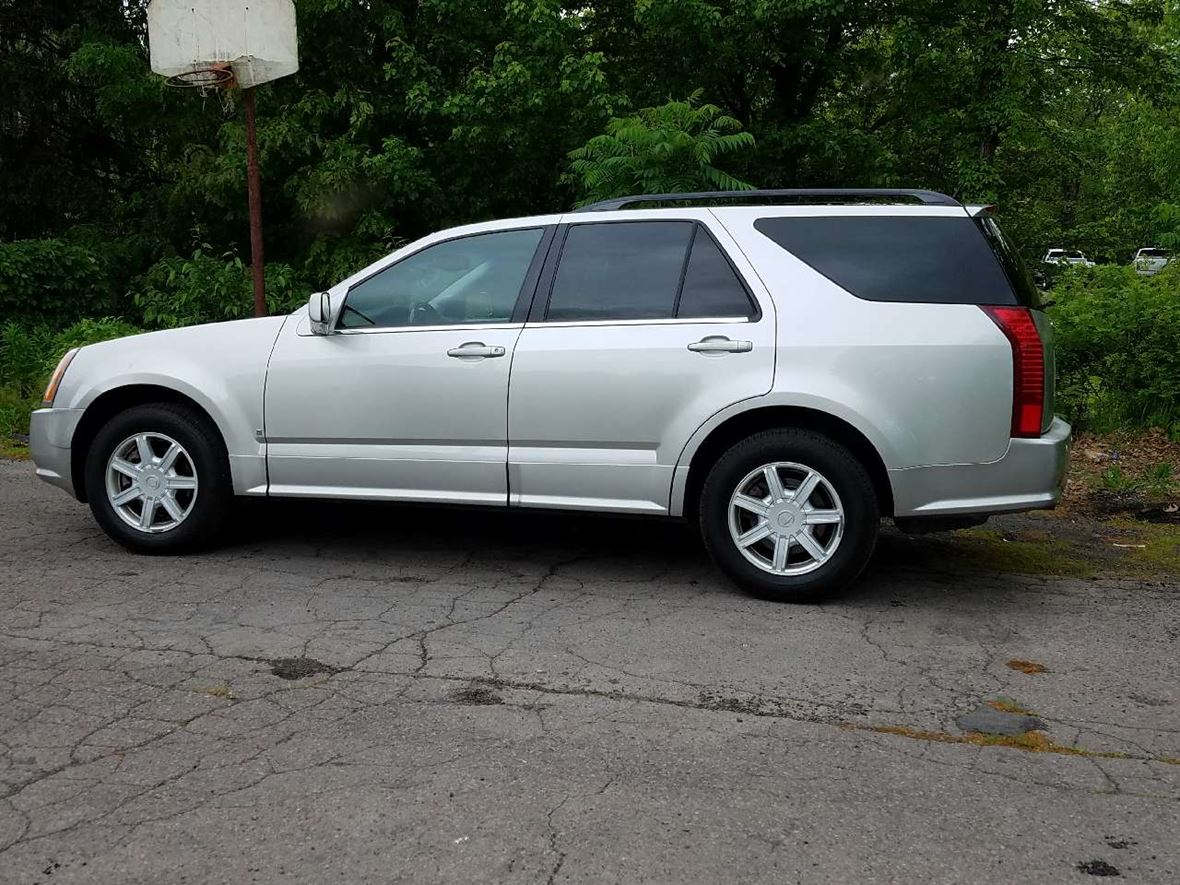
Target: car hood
{"x":208,"y":356}
{"x":208,"y":339}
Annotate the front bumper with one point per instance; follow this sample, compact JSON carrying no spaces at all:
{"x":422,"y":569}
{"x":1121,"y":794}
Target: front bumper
{"x":1030,"y":476}
{"x":50,"y":434}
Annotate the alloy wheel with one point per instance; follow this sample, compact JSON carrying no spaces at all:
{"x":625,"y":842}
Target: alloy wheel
{"x":786,"y":518}
{"x":151,"y":482}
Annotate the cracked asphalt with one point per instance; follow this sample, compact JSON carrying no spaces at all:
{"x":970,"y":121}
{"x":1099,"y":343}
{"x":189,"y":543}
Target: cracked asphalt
{"x":484,"y":697}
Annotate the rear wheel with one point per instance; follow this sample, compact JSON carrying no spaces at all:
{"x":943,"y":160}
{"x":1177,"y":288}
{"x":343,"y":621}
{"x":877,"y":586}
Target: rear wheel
{"x":790,"y":515}
{"x":157,"y":479}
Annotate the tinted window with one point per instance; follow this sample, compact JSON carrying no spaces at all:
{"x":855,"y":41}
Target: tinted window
{"x":897,"y":258}
{"x":469,"y":280}
{"x":711,"y":287}
{"x":1015,"y":269}
{"x":620,"y":271}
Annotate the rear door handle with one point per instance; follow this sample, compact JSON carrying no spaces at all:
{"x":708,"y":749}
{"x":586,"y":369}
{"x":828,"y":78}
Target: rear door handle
{"x":476,"y":350}
{"x":720,"y":344}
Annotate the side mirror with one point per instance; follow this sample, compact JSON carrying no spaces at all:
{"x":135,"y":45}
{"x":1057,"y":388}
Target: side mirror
{"x":319,"y":312}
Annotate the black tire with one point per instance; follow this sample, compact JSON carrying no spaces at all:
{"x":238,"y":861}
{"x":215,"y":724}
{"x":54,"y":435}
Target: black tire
{"x":845,"y":474}
{"x":202,"y":443}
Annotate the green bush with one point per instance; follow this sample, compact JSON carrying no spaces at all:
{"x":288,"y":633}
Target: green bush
{"x":84,"y":332}
{"x":52,"y":282}
{"x":1118,"y":347}
{"x":28,"y":354}
{"x":14,"y":414}
{"x":24,"y":351}
{"x":206,"y":289}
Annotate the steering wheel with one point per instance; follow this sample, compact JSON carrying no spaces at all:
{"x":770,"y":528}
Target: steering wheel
{"x":423,"y":314}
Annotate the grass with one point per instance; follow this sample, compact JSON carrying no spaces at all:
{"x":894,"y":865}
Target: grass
{"x":222,"y":691}
{"x":995,"y":551}
{"x":13,"y":450}
{"x":1029,"y":742}
{"x":1161,"y":550}
{"x":14,"y":419}
{"x":1119,"y":546}
{"x":1007,"y":705}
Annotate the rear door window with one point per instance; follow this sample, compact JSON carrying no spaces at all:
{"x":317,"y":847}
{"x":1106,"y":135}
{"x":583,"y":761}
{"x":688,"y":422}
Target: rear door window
{"x":634,"y":270}
{"x":620,"y":271}
{"x":711,"y":285}
{"x":925,"y":259}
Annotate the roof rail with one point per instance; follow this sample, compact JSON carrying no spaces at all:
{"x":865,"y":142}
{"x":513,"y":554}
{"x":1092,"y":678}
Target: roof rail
{"x":929,"y":198}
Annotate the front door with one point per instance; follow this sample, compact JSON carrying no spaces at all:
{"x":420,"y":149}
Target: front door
{"x":407,"y":398}
{"x":641,"y":332}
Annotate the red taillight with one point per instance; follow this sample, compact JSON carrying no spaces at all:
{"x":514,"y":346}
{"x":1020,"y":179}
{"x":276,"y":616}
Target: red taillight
{"x":1028,"y":368}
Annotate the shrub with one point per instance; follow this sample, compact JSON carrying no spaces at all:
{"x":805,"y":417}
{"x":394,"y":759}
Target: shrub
{"x":28,"y":355}
{"x":52,"y":282}
{"x":205,"y":289}
{"x":86,"y":332}
{"x":1118,"y":347}
{"x":24,"y":351}
{"x":14,"y":414}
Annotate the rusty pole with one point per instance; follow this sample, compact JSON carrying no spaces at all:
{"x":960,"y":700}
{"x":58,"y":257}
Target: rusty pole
{"x":254,"y":189}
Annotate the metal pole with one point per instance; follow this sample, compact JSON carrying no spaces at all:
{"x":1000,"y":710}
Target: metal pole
{"x":254,"y":189}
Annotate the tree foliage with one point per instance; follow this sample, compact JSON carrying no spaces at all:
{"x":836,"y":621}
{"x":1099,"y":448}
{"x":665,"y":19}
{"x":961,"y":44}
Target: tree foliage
{"x":124,"y":198}
{"x":666,"y":149}
{"x":1118,"y":337}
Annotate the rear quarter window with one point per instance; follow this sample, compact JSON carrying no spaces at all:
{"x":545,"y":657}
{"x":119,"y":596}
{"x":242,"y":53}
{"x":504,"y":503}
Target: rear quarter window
{"x":924,"y":259}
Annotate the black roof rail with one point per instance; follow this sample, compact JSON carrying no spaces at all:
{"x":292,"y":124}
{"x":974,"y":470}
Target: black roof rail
{"x":835,"y":194}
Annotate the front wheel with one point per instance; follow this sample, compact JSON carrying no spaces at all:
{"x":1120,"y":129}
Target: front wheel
{"x":157,"y":479}
{"x":790,"y":515}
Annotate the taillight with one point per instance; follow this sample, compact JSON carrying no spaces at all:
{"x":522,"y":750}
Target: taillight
{"x":1028,"y":368}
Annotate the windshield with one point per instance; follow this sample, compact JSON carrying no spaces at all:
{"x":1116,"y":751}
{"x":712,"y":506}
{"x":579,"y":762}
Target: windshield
{"x":1153,"y":253}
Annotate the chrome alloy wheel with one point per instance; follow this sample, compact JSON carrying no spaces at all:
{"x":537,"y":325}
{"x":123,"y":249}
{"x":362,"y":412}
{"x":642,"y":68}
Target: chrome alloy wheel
{"x":151,"y":482}
{"x":786,"y":518}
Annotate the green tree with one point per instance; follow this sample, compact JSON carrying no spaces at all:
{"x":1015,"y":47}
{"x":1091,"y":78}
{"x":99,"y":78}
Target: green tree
{"x":666,"y":149}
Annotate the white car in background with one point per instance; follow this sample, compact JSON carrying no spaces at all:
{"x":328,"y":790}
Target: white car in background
{"x":1064,"y":257}
{"x":1151,"y":261}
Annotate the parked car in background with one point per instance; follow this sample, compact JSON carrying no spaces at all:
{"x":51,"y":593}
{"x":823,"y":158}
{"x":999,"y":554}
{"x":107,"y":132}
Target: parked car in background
{"x":1065,"y":257}
{"x":783,"y":368}
{"x":1151,"y":261}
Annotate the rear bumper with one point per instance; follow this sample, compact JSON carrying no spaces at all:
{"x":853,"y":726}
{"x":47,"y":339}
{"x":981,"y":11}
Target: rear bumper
{"x":50,"y":434}
{"x":1029,"y":477}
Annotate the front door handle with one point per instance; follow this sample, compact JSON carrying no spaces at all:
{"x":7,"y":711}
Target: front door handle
{"x":720,"y":344}
{"x":476,"y":350}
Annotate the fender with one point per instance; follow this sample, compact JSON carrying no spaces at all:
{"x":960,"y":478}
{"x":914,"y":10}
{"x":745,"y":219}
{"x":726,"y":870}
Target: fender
{"x":835,"y":408}
{"x":221,"y":367}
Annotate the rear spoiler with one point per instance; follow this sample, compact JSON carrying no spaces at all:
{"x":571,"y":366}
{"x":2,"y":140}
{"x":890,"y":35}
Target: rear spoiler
{"x":976,"y":211}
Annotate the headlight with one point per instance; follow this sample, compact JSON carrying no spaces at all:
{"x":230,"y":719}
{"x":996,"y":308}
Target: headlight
{"x":55,"y":379}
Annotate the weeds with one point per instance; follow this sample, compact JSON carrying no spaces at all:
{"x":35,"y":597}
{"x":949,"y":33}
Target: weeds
{"x":1160,"y":480}
{"x":1115,"y":479}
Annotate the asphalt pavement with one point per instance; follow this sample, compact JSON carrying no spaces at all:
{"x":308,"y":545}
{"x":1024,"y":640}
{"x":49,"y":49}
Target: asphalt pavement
{"x":358,"y":693}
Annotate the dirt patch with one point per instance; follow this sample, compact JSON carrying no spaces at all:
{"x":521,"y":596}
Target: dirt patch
{"x":1029,"y":741}
{"x":1029,"y":667}
{"x":299,"y":668}
{"x":476,"y":695}
{"x":1097,"y":868}
{"x":1135,"y":474}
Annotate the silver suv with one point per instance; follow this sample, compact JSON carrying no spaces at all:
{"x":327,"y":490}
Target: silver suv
{"x":784,"y":368}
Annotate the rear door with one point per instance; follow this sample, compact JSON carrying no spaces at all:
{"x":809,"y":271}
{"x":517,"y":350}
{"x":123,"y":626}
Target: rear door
{"x":641,"y":329}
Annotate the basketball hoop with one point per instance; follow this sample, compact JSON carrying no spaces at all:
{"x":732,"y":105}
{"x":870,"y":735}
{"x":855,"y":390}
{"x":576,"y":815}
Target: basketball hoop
{"x":215,"y":77}
{"x":214,"y":45}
